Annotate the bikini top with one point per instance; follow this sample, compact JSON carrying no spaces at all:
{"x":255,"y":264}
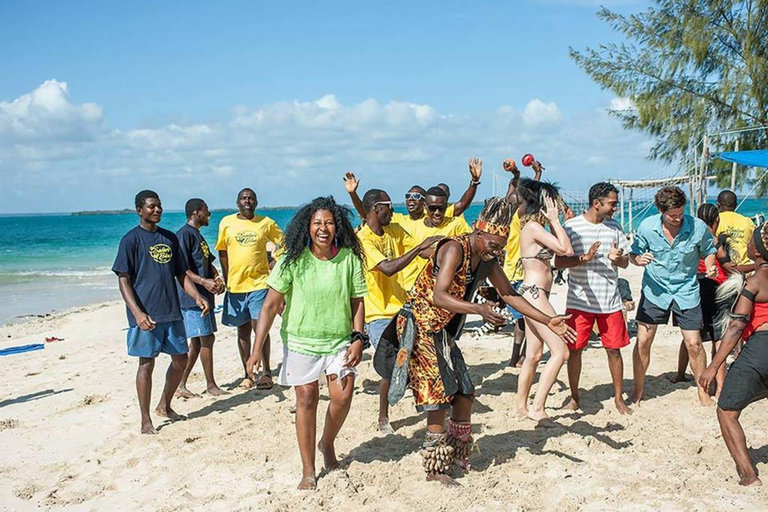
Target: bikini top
{"x":544,"y":254}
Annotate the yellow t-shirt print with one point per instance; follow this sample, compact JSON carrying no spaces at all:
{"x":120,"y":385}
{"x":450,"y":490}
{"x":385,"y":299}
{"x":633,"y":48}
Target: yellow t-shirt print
{"x":246,"y":244}
{"x":247,"y":238}
{"x":161,"y":253}
{"x":206,"y":250}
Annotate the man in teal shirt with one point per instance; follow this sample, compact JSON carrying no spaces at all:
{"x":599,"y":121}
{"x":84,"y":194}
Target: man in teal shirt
{"x":669,"y":246}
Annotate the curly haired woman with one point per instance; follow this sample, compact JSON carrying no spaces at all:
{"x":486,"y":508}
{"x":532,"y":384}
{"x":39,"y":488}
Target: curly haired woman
{"x":320,"y":278}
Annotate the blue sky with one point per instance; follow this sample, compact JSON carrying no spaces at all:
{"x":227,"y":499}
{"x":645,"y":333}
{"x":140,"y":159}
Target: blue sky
{"x":100,"y":99}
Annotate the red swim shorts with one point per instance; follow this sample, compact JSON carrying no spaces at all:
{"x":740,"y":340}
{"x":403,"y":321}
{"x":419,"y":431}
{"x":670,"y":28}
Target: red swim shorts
{"x":612,"y":327}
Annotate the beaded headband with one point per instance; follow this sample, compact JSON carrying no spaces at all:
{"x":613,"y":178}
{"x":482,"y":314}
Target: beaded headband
{"x":492,"y":229}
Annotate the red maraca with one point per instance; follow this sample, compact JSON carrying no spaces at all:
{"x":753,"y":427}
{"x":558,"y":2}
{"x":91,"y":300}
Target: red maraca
{"x":527,"y":160}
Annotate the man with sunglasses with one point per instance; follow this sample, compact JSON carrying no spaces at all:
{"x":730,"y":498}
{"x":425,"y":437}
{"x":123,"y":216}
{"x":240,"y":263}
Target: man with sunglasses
{"x":434,"y":223}
{"x":384,"y":245}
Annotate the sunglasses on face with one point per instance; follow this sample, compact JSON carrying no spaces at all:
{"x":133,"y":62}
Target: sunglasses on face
{"x":437,"y":207}
{"x":416,"y":196}
{"x":388,"y":204}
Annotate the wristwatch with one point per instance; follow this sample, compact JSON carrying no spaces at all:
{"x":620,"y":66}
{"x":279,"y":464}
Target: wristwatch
{"x":357,"y":335}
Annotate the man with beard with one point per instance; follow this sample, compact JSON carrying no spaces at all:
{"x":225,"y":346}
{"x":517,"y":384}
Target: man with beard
{"x":200,"y":269}
{"x":600,"y":248}
{"x":242,"y":247}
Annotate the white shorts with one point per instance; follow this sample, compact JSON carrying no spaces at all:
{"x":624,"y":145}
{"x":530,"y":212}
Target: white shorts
{"x":299,"y":369}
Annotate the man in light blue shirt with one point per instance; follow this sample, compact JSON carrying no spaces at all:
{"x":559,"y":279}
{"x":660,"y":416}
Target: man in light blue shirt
{"x":669,"y":246}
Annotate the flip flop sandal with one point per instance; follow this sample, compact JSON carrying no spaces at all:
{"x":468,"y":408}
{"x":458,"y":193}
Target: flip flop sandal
{"x":262,"y":384}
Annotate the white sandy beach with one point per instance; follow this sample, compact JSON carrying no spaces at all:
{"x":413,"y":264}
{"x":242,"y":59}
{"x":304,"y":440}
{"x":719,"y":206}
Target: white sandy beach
{"x":69,"y":436}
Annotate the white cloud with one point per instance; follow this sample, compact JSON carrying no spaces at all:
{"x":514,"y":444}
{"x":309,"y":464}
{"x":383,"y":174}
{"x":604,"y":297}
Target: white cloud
{"x":538,"y":112}
{"x":291,"y":151}
{"x":47,"y":114}
{"x":620,"y":103}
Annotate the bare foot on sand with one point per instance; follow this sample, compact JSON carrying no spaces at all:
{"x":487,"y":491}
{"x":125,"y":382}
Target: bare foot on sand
{"x":167,"y":412}
{"x":635,"y":399}
{"x":308,"y":483}
{"x":443,"y":479}
{"x":622,"y":407}
{"x":148,"y":428}
{"x":542,"y":420}
{"x":216,"y":391}
{"x":385,"y":427}
{"x":183,"y":392}
{"x":522,"y":412}
{"x":679,"y":378}
{"x":750,"y":481}
{"x":246,"y":383}
{"x":329,"y":456}
{"x":571,"y":405}
{"x":705,"y":399}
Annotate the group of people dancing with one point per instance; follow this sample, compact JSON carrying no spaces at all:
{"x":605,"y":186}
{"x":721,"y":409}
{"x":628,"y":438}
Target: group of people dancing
{"x":403,"y":285}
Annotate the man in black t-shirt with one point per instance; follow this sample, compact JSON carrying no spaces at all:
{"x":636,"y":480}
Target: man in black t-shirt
{"x":199,"y":260}
{"x":148,"y":263}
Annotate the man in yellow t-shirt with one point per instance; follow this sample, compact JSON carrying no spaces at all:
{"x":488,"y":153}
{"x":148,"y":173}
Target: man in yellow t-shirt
{"x":738,"y":227}
{"x":435,"y":223}
{"x":384,"y":245}
{"x":242,"y":246}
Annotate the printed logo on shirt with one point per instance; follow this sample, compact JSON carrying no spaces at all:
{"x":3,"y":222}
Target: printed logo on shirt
{"x":206,"y":250}
{"x":161,"y":253}
{"x":247,"y":238}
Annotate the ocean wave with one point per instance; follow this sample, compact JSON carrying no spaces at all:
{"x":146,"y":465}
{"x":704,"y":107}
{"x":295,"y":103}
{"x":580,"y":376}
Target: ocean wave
{"x":67,"y":273}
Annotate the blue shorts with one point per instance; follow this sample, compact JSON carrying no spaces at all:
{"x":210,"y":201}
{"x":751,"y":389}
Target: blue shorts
{"x":197,"y":325}
{"x":375,"y":329}
{"x":241,"y":308}
{"x":512,"y":311}
{"x":167,"y":337}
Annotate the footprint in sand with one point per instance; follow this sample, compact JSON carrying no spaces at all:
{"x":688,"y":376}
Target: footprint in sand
{"x":92,"y":400}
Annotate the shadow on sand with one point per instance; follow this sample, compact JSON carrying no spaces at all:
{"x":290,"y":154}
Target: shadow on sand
{"x":33,"y":396}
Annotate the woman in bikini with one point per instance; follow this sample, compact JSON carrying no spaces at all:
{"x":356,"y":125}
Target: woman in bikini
{"x":538,"y":209}
{"x":747,"y":378}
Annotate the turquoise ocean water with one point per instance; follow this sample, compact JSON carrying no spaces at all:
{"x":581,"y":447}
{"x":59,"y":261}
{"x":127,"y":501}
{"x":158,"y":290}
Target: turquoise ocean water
{"x":55,"y":262}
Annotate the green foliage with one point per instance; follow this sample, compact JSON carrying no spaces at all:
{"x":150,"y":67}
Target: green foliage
{"x":691,"y":67}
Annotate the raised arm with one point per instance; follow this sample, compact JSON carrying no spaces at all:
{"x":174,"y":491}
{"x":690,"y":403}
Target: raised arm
{"x":558,"y":240}
{"x":475,"y":172}
{"x":509,"y":165}
{"x":351,"y":183}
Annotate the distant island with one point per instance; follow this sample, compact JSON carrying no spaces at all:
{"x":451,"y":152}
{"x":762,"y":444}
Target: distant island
{"x":103,"y":212}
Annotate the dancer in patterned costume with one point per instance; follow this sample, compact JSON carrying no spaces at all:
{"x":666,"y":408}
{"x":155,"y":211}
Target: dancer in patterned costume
{"x":419,"y":346}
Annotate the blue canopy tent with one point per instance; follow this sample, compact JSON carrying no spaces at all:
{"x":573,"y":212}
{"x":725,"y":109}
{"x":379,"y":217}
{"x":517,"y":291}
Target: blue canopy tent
{"x":754,"y":158}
